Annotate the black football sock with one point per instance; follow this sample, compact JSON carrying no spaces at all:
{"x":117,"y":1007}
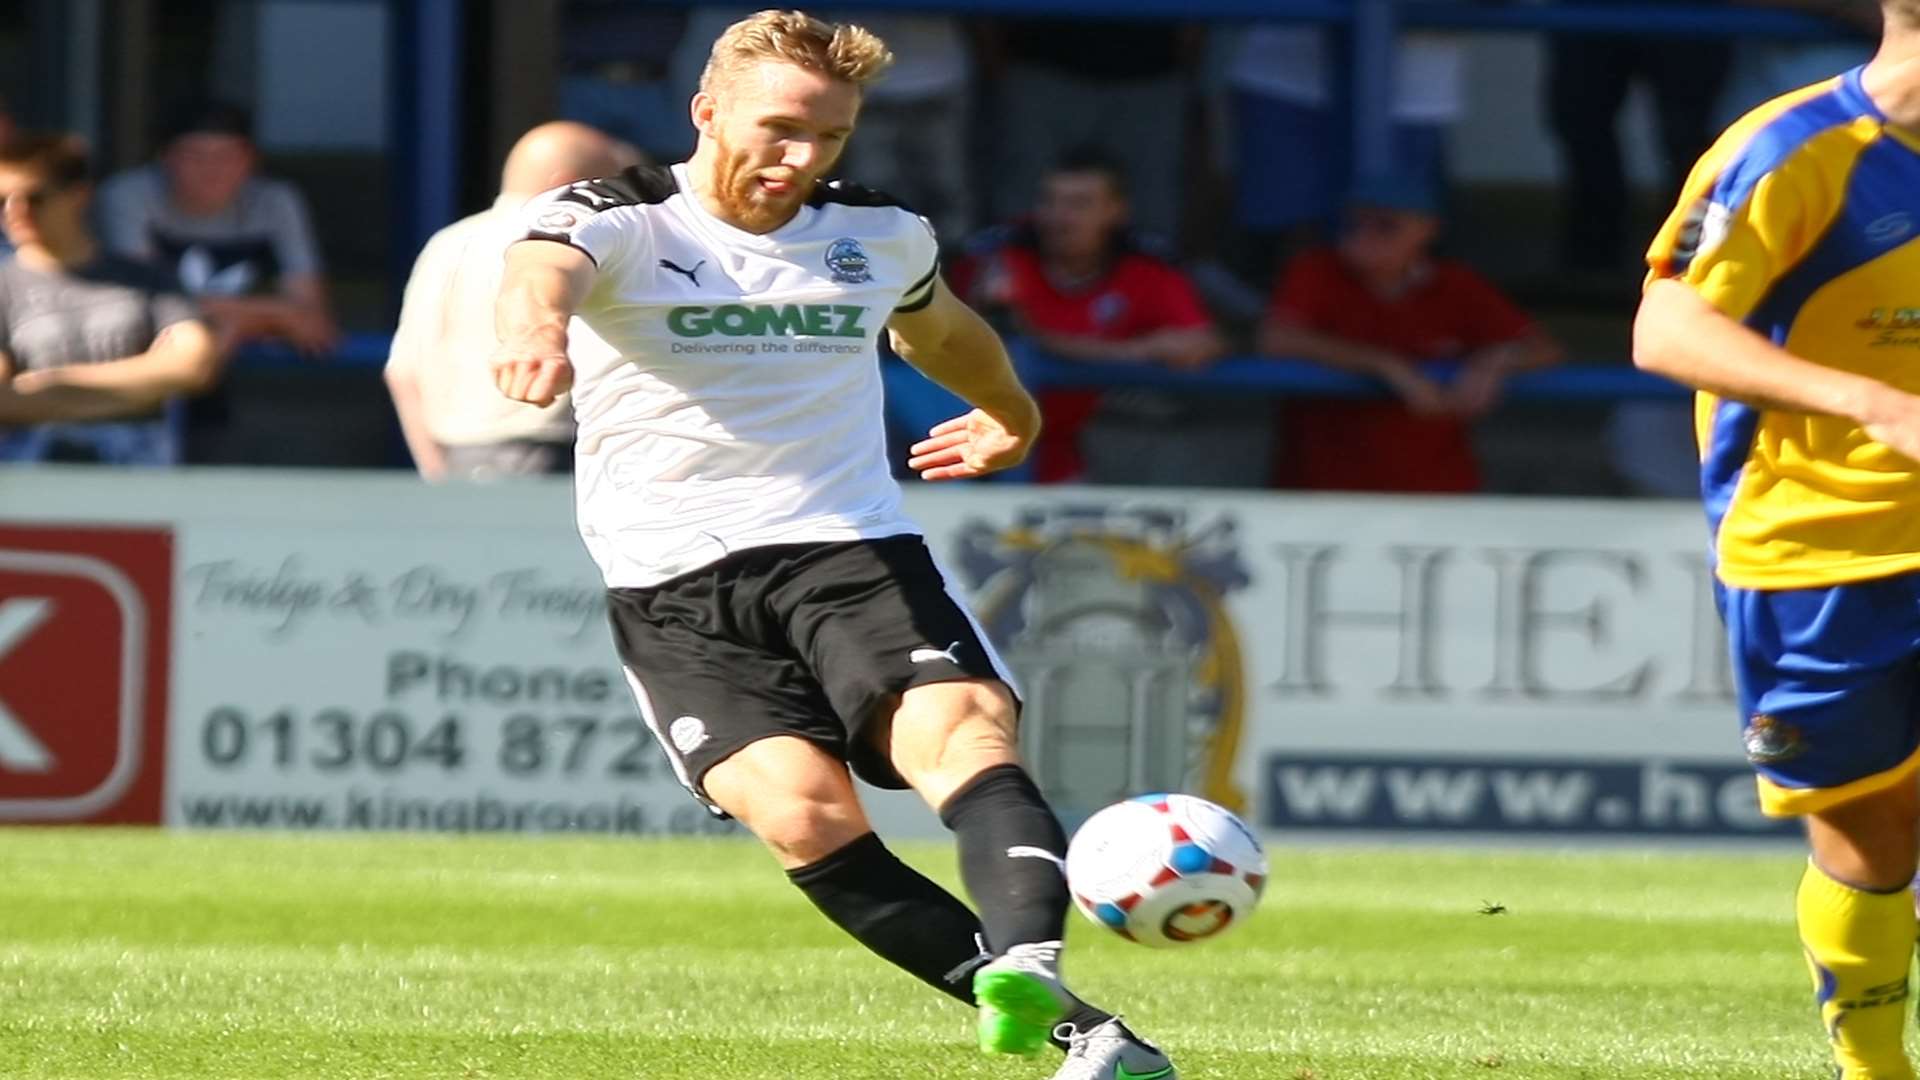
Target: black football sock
{"x":892,"y":909}
{"x":1012,"y":857}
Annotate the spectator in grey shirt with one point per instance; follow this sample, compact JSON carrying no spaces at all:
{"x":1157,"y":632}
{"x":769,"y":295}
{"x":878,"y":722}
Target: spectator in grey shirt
{"x":240,"y":243}
{"x":84,"y":335}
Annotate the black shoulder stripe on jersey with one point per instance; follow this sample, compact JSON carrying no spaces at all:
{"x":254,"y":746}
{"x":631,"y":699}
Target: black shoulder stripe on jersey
{"x":638,"y":186}
{"x":920,"y":293}
{"x":560,"y":238}
{"x":844,"y":193}
{"x":917,"y":305}
{"x":926,"y":279}
{"x":915,"y":298}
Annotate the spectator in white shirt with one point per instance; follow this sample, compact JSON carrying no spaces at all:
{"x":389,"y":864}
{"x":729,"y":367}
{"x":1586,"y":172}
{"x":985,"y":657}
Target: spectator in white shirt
{"x":457,"y":425}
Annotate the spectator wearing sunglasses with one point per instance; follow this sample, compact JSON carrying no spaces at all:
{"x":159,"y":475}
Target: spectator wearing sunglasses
{"x":92,"y":345}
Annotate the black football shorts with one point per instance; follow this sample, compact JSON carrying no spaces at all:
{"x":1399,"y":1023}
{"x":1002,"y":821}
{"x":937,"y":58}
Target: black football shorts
{"x":807,"y":640}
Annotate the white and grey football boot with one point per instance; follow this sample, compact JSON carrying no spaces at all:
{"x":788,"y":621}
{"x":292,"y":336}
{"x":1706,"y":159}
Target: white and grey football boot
{"x":1110,"y":1052}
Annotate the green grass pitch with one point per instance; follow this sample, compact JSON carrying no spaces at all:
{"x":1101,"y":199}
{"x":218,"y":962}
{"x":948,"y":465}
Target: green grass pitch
{"x":146,"y":954}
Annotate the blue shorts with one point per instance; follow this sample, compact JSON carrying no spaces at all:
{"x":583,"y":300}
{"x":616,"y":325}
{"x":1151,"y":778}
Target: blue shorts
{"x":1829,"y":685}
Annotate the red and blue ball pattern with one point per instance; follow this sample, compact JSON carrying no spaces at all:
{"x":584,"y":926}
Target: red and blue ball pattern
{"x":1192,"y":922}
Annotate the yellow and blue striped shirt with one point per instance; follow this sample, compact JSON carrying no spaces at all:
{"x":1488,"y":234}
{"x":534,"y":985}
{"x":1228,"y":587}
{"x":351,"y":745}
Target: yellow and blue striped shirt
{"x":1803,"y":222}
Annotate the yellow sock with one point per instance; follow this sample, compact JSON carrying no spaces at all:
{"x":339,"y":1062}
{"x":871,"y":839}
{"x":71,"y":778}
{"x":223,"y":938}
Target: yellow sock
{"x":1859,"y":946}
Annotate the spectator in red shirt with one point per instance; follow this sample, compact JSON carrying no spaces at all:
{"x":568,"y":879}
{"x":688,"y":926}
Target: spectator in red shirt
{"x":1071,"y":280}
{"x":1380,"y":303}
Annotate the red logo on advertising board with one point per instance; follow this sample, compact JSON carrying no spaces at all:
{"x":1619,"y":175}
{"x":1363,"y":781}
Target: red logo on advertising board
{"x":84,"y":618}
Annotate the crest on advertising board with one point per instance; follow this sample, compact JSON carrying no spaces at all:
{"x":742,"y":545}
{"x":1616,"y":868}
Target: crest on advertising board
{"x":1114,"y":619}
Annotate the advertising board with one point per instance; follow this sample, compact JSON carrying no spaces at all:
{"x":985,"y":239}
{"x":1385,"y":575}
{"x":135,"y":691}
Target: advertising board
{"x":364,"y":652}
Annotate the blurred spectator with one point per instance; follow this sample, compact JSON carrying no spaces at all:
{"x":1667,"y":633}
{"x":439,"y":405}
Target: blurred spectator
{"x":1290,"y":143}
{"x":1072,"y":282}
{"x":1120,"y":85}
{"x":1587,"y":82}
{"x":1379,"y":304}
{"x":241,"y":243}
{"x":457,"y":423}
{"x":85,"y":335}
{"x":913,"y":122}
{"x":616,"y":62}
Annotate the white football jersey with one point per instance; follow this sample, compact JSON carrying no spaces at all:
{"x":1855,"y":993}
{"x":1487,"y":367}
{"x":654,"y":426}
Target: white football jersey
{"x":744,"y":407}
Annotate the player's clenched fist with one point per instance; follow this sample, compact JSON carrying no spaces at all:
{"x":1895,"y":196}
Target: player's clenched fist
{"x":532,"y":373}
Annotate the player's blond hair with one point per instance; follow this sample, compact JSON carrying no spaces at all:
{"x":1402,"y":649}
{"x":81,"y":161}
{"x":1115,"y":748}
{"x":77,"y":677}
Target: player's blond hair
{"x":1907,"y":12}
{"x":843,"y":51}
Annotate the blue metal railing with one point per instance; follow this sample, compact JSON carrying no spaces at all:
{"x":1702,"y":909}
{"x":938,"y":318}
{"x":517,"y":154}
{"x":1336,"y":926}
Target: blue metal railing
{"x":1245,"y":374}
{"x":1587,"y":383}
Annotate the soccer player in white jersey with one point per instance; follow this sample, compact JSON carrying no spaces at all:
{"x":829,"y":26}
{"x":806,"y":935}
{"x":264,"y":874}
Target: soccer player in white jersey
{"x":781,"y":621}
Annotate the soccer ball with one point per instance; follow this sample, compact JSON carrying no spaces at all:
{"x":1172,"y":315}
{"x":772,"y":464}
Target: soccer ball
{"x":1166,"y":869}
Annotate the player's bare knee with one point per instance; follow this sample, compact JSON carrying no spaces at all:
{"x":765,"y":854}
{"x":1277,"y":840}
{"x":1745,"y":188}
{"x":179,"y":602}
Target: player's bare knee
{"x":943,"y":726}
{"x":808,"y":831}
{"x":1871,"y":842}
{"x":794,"y":796}
{"x":808,"y":823}
{"x":937,"y":710}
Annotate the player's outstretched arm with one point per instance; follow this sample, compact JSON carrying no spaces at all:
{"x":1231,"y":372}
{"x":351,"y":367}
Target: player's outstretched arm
{"x":954,"y":346}
{"x":544,"y":284}
{"x":1680,"y":335}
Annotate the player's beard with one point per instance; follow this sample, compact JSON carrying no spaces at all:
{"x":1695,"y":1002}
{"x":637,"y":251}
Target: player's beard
{"x":736,"y":186}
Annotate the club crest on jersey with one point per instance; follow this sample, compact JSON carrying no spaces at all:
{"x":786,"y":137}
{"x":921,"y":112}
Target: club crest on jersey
{"x":847,"y":261}
{"x":1704,"y":228}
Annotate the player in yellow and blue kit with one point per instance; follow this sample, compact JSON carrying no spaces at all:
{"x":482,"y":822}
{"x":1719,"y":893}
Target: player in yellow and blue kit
{"x":1786,"y":287}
